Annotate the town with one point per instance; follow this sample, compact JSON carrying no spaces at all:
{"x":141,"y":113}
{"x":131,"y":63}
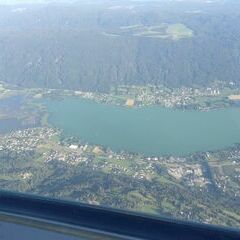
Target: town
{"x":51,"y":147}
{"x":218,"y":95}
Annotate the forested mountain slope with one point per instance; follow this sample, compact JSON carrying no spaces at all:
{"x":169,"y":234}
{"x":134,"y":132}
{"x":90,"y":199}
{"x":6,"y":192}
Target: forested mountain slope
{"x":93,"y":45}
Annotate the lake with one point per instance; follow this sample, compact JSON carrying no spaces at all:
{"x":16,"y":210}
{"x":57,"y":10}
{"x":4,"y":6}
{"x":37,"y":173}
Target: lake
{"x":8,"y":105}
{"x":12,"y":103}
{"x":8,"y":125}
{"x":151,"y":131}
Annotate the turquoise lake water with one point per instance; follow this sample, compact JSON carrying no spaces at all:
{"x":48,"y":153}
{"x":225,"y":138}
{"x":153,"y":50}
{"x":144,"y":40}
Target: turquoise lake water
{"x":148,"y":130}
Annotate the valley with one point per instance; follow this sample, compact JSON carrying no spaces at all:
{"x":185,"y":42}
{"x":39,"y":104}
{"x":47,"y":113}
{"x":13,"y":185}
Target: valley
{"x":188,"y":186}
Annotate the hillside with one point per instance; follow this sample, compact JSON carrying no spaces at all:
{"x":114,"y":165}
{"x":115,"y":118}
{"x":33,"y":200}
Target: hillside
{"x":93,"y":46}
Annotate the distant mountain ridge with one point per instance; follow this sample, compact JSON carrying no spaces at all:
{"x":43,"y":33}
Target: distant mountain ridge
{"x":77,"y":47}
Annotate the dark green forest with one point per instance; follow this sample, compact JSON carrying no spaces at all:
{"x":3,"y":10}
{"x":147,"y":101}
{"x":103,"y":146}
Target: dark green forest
{"x":68,"y":45}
